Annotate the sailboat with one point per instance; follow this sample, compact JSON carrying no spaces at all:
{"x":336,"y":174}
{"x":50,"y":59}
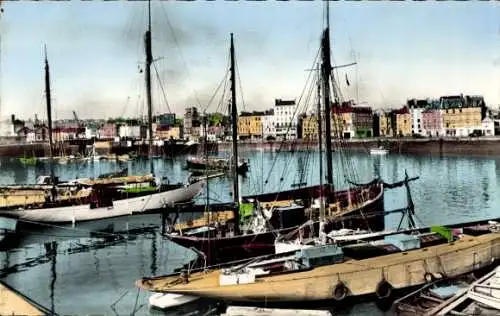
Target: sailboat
{"x":361,"y":206}
{"x":103,"y":198}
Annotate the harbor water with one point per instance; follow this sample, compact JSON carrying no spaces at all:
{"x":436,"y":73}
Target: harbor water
{"x":70,"y":272}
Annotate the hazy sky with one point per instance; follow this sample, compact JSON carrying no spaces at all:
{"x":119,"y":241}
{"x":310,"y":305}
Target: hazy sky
{"x":404,"y":49}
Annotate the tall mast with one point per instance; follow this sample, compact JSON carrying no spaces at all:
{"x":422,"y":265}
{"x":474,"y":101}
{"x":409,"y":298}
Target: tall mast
{"x":49,"y":115}
{"x":320,"y":143}
{"x":234,"y":123}
{"x":1,"y":13}
{"x":149,"y":61}
{"x":326,"y":72}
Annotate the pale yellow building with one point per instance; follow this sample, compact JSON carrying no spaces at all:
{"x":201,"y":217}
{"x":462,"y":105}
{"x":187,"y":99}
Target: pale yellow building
{"x":250,"y":125}
{"x":385,"y":125}
{"x":402,"y":122}
{"x":342,"y":122}
{"x":310,"y":127}
{"x":461,"y":115}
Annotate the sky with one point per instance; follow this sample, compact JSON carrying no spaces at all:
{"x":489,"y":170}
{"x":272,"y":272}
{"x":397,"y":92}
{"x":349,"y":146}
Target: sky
{"x":95,"y":50}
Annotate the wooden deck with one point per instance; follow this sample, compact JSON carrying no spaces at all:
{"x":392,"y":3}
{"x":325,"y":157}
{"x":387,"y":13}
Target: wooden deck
{"x":361,"y":277}
{"x":12,"y":303}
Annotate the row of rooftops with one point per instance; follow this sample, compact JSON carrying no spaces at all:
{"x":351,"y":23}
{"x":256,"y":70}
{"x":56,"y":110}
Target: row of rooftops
{"x":448,"y":102}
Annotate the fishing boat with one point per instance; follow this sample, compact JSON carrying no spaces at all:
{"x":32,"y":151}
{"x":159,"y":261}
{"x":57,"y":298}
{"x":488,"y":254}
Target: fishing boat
{"x":359,"y":206}
{"x":91,"y":200}
{"x":216,"y":163}
{"x":339,"y":273}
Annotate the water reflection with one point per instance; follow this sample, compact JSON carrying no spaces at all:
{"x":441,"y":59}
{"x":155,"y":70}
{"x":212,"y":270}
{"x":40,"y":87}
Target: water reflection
{"x":86,"y":275}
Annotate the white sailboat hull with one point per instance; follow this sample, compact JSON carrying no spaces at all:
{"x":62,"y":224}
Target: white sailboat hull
{"x":166,"y":301}
{"x":78,"y":213}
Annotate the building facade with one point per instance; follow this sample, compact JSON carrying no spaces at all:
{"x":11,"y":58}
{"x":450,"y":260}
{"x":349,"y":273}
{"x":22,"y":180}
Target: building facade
{"x":462,"y":115}
{"x":432,"y":123}
{"x":362,"y":121}
{"x":250,"y":125}
{"x":401,"y":122}
{"x":342,"y":122}
{"x":309,"y":127}
{"x":285,"y":119}
{"x":416,"y":109}
{"x":191,"y":120}
{"x":268,"y":128}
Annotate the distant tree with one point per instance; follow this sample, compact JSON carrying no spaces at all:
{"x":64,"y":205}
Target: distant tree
{"x":215,"y":119}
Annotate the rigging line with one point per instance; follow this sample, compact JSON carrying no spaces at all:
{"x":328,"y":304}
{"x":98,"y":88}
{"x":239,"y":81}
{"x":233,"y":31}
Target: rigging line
{"x":307,"y":100}
{"x":161,"y":87}
{"x":239,"y":83}
{"x":224,"y":79}
{"x":282,"y":142}
{"x":180,"y":52}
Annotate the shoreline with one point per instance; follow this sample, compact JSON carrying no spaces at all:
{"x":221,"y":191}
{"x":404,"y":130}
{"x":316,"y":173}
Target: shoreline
{"x":483,"y":146}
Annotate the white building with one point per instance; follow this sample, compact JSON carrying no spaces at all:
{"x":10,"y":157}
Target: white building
{"x":130,"y":131}
{"x":90,"y":132}
{"x":285,"y":119}
{"x":268,"y":128}
{"x":7,"y":128}
{"x":488,"y":126}
{"x":416,"y":109}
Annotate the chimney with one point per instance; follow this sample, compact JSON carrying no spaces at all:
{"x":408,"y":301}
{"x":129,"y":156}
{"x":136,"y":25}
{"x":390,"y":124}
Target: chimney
{"x":13,"y":118}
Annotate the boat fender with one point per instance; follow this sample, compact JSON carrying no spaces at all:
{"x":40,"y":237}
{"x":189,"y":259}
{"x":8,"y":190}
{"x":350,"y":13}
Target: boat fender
{"x":429,"y":277}
{"x":340,"y":291}
{"x":384,"y":289}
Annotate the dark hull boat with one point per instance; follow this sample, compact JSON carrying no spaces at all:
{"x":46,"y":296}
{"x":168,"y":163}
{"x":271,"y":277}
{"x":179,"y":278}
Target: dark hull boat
{"x":223,"y":245}
{"x":216,"y":164}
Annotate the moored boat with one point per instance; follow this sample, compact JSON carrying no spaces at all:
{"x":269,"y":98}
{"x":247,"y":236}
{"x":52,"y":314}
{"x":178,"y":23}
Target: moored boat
{"x":95,"y":199}
{"x":332,"y":272}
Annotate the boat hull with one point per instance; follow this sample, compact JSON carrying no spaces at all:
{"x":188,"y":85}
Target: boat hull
{"x":224,"y":249}
{"x":122,"y":207}
{"x":361,"y":277}
{"x":198,"y":165}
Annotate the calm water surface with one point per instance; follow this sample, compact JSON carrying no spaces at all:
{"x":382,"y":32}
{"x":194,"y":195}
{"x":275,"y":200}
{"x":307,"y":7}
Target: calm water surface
{"x":81,"y":275}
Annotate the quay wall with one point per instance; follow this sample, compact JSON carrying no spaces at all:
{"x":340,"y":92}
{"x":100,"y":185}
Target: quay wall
{"x":483,"y":146}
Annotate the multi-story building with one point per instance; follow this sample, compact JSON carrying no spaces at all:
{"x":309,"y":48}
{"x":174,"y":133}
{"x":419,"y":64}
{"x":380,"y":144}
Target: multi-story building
{"x":488,"y":126}
{"x":350,"y":120}
{"x":285,"y":119}
{"x":462,"y":115}
{"x":416,"y":108}
{"x":401,"y":122}
{"x":342,"y":121}
{"x":130,"y":131}
{"x":432,"y":123}
{"x":268,"y":128}
{"x":309,"y":127}
{"x":107,"y":131}
{"x":382,"y":126}
{"x":41,"y":133}
{"x":191,"y":119}
{"x":250,"y":125}
{"x":362,"y":121}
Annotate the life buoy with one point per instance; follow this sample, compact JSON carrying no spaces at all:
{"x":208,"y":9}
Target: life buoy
{"x":429,"y":277}
{"x":384,"y":289}
{"x":340,"y":291}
